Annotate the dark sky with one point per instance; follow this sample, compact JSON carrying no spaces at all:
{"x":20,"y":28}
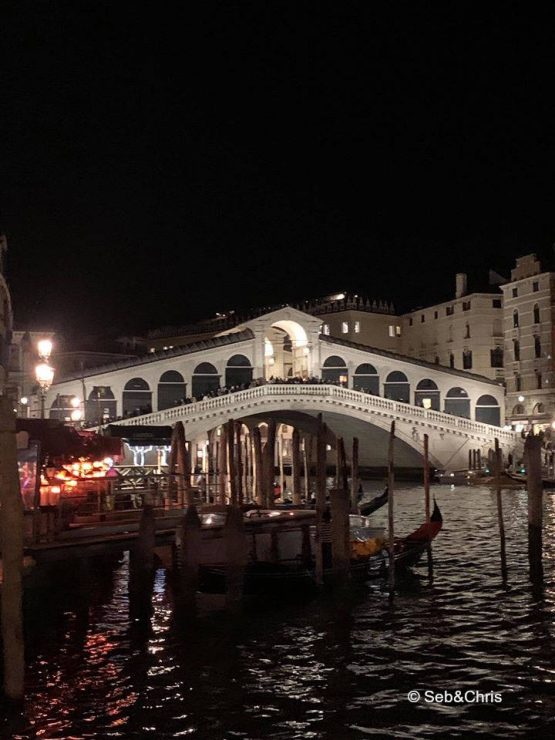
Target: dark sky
{"x":159,"y":165}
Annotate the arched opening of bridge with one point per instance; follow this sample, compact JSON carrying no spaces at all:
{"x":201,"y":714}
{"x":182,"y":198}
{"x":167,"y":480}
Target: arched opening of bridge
{"x":101,"y":404}
{"x":171,"y":389}
{"x":137,"y":397}
{"x":427,"y":395}
{"x":286,"y":351}
{"x":488,"y":411}
{"x":334,"y":370}
{"x":457,"y":402}
{"x":366,"y":379}
{"x":205,"y":380}
{"x":397,"y":387}
{"x":238,"y":371}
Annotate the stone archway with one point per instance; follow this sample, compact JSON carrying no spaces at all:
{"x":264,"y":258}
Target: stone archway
{"x":286,"y":351}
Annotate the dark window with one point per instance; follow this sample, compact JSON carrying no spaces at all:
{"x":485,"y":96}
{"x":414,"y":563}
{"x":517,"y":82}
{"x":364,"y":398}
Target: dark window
{"x":515,"y":292}
{"x":537,"y":346}
{"x":535,"y":286}
{"x":436,"y":361}
{"x":536,"y":314}
{"x":496,"y":357}
{"x":496,"y":303}
{"x":515,"y":317}
{"x":467,"y":331}
{"x":451,"y":360}
{"x":422,"y":318}
{"x":467,"y":360}
{"x":449,"y":311}
{"x":436,"y":314}
{"x":410,"y":322}
{"x":466,"y":305}
{"x":516,"y":349}
{"x":518,"y":383}
{"x":539,"y":380}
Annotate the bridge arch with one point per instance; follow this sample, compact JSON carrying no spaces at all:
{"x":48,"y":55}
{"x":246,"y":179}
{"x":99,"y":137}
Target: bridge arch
{"x":366,"y":379}
{"x":172,"y":389}
{"x":205,"y":380}
{"x":457,"y":402}
{"x":238,"y":371}
{"x":286,"y":350}
{"x":488,"y":410}
{"x":397,"y":387}
{"x":427,"y":394}
{"x":334,"y":370}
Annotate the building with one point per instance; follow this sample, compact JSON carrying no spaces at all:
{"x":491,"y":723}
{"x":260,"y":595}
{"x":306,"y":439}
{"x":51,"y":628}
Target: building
{"x":6,"y":324}
{"x":465,"y":333}
{"x":529,"y":305}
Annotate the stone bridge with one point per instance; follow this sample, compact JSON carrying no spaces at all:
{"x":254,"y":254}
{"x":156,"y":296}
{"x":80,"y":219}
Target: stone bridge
{"x":348,"y":413}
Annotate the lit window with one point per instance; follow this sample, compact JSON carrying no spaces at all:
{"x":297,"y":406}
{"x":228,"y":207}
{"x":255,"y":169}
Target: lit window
{"x":357,"y":327}
{"x":344,"y":327}
{"x":326,"y":329}
{"x":398,"y":331}
{"x":391,"y":330}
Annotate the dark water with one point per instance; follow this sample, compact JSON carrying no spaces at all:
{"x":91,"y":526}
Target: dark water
{"x":326,"y":668}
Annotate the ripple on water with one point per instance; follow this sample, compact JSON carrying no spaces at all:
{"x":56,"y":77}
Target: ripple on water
{"x":323,"y":669}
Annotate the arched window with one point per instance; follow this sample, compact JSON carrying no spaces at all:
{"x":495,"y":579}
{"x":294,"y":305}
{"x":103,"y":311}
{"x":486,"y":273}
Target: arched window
{"x":427,"y":395}
{"x":516,"y":350}
{"x":61,"y":408}
{"x":536,"y":314}
{"x":334,"y":370}
{"x":488,"y":411}
{"x":518,"y":410}
{"x":537,"y":346}
{"x":205,"y":380}
{"x":515,"y":318}
{"x":397,"y":387}
{"x":137,"y":397}
{"x":101,"y":404}
{"x":366,"y":379}
{"x":457,"y":402}
{"x":539,"y":408}
{"x":238,"y":370}
{"x":171,"y":389}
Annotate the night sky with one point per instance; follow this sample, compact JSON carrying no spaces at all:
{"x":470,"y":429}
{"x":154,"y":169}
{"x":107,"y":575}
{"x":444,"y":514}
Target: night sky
{"x":158,"y":166}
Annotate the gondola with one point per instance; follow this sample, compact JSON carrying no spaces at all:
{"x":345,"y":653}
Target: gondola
{"x":371,"y":506}
{"x":520,"y":478}
{"x":410,"y":549}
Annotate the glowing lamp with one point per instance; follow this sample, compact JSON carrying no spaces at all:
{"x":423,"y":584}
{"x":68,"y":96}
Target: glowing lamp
{"x":44,"y":348}
{"x":75,"y":402}
{"x":427,"y":403}
{"x":520,"y":399}
{"x":76,"y":415}
{"x":44,"y":374}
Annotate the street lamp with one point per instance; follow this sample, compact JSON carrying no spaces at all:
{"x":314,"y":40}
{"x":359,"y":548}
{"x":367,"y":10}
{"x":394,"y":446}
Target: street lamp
{"x":44,"y":372}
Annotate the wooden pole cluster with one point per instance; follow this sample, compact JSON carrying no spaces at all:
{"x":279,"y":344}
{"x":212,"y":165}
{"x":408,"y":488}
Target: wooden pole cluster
{"x":11,"y":540}
{"x":532,"y":451}
{"x":498,"y":470}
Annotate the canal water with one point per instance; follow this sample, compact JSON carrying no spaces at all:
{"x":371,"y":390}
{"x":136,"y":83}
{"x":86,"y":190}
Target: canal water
{"x":328,"y":667}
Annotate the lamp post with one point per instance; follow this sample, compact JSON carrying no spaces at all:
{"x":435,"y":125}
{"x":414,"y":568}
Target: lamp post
{"x":44,"y":372}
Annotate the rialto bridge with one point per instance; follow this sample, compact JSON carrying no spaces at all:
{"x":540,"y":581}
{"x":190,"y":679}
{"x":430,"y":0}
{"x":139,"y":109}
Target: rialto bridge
{"x":358,"y":390}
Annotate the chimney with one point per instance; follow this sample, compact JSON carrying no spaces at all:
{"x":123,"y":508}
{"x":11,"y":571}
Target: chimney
{"x":460,"y":284}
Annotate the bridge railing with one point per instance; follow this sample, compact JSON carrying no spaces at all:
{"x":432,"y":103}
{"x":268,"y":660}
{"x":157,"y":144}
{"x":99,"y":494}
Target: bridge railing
{"x":331,"y":392}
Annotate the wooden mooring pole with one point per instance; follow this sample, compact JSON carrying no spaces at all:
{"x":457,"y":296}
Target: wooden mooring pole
{"x":236,"y":557}
{"x":354,"y":477}
{"x":296,"y":466}
{"x":390,"y":508}
{"x":269,"y":464}
{"x":222,"y":465}
{"x":532,"y":451}
{"x":141,"y":564}
{"x":341,"y":541}
{"x":320,"y":497}
{"x":258,"y":467}
{"x":498,"y":471}
{"x":230,"y":436}
{"x":188,"y":541}
{"x":11,"y":540}
{"x":427,"y":500}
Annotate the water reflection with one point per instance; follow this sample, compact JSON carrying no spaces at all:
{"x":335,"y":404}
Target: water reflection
{"x":330,"y":668}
